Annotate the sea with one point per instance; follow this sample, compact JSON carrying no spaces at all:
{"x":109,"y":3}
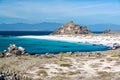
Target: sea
{"x":41,"y":46}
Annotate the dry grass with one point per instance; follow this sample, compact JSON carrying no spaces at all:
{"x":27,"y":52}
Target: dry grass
{"x":109,"y":59}
{"x":114,"y":54}
{"x":73,"y":72}
{"x":104,"y":74}
{"x":102,"y":60}
{"x":69,"y":73}
{"x":108,"y":67}
{"x":60,"y":78}
{"x":117,"y":63}
{"x":95,"y":65}
{"x":38,"y":79}
{"x":117,"y":78}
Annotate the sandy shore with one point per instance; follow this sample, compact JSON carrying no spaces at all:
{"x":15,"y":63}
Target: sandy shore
{"x":105,"y":40}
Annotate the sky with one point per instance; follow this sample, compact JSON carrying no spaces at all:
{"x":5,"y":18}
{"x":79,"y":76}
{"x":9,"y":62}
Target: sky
{"x":60,"y":11}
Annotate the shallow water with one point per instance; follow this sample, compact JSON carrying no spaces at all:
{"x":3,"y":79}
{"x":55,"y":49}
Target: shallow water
{"x":47,"y":46}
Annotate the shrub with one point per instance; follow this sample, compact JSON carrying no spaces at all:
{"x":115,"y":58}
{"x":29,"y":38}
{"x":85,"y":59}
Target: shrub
{"x":42,"y":73}
{"x":64,"y":63}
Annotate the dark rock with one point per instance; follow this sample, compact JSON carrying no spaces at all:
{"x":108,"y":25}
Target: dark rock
{"x":71,"y":28}
{"x":116,"y":45}
{"x":2,"y":77}
{"x":1,"y":55}
{"x":107,"y":31}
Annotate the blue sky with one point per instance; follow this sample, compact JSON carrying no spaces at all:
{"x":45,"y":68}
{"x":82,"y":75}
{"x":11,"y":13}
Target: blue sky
{"x":62,"y":11}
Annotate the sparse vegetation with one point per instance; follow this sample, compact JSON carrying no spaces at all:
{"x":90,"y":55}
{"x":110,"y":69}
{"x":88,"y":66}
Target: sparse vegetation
{"x":68,"y":68}
{"x":104,"y":74}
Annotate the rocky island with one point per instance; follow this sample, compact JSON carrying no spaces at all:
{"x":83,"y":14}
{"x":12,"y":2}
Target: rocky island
{"x":71,"y":28}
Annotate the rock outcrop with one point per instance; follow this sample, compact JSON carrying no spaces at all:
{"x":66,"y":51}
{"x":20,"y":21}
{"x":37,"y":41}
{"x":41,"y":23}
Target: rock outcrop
{"x":71,"y":28}
{"x":13,"y":50}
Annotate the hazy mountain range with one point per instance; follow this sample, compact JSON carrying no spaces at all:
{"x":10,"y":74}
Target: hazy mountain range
{"x":47,"y":26}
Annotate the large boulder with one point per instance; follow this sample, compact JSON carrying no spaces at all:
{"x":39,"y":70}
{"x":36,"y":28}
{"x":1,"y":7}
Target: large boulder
{"x":13,"y":50}
{"x":71,"y":28}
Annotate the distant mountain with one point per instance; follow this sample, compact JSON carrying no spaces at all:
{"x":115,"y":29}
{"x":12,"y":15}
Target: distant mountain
{"x":52,"y":26}
{"x":45,"y":26}
{"x":102,"y":27}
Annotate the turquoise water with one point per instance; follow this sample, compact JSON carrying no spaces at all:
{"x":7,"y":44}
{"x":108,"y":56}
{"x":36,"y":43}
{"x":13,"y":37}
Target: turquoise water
{"x":47,"y":46}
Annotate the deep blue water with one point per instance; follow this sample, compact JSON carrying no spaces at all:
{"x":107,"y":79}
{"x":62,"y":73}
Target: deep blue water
{"x":22,"y":33}
{"x":97,"y":32}
{"x":44,"y":46}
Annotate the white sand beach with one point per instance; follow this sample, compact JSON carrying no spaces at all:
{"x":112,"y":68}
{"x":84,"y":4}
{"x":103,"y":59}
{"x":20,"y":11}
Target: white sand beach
{"x":105,"y":40}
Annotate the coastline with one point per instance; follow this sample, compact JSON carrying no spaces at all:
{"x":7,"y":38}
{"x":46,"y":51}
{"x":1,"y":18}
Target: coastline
{"x":109,"y":40}
{"x":99,"y":65}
